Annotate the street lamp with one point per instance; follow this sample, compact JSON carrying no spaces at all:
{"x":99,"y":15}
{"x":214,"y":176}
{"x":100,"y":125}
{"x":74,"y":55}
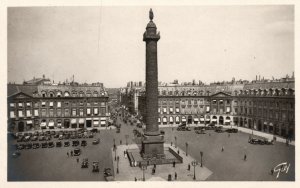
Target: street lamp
{"x":118,"y":158}
{"x":186,"y":148}
{"x":194,"y":164}
{"x":144,"y":167}
{"x":115,"y":153}
{"x":175,"y":142}
{"x":201,"y":155}
{"x":126,"y":136}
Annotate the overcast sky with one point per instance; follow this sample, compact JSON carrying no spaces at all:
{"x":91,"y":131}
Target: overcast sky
{"x":104,"y":44}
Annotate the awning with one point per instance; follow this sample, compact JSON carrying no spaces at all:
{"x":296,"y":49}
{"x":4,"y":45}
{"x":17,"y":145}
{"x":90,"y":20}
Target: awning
{"x":43,"y":124}
{"x":201,"y":119}
{"x":73,"y":121}
{"x":177,"y":109}
{"x":81,"y":121}
{"x":196,"y":119}
{"x":51,"y":124}
{"x":164,"y":110}
{"x":96,"y":119}
{"x":103,"y":118}
{"x":220,"y":100}
{"x":207,"y":118}
{"x":88,"y":118}
{"x":171,"y":119}
{"x":183,"y":120}
{"x":51,"y":104}
{"x":227,"y":120}
{"x":164,"y":120}
{"x":43,"y":103}
{"x":265,"y":122}
{"x":271,"y":124}
{"x":96,"y":122}
{"x":214,"y":120}
{"x":171,"y":109}
{"x":29,"y":122}
{"x":103,"y":122}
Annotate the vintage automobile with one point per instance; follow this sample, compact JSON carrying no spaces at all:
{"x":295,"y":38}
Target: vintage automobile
{"x":66,"y":144}
{"x":50,"y":144}
{"x":28,"y":146}
{"x":85,"y":163}
{"x":35,"y":146}
{"x":42,"y":138}
{"x":83,"y":143}
{"x":91,"y":136}
{"x":254,"y":141}
{"x":269,"y":141}
{"x":44,"y":145}
{"x":96,"y":141}
{"x":34,"y":138}
{"x":20,"y":146}
{"x":75,"y":143}
{"x":95,"y":166}
{"x":202,"y":131}
{"x":58,"y":144}
{"x":232,"y":130}
{"x":77,"y":152}
{"x":108,"y":175}
{"x":94,"y":130}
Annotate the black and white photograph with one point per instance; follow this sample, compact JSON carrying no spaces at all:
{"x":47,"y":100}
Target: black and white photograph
{"x":149,"y":92}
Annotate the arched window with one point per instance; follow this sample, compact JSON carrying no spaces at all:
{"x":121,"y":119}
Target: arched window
{"x":66,"y":94}
{"x":88,"y":93}
{"x":74,"y":93}
{"x":81,"y":94}
{"x":44,"y":94}
{"x":58,"y":94}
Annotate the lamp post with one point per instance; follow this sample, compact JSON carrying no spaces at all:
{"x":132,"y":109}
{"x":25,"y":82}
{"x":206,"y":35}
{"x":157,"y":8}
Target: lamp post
{"x":201,"y":155}
{"x":118,"y":158}
{"x":175,"y":142}
{"x":115,"y":153}
{"x":126,"y":137}
{"x":194,"y":164}
{"x":186,"y":148}
{"x":144,"y":167}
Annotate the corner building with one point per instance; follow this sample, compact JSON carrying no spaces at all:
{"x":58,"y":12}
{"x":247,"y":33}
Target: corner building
{"x":36,"y":107}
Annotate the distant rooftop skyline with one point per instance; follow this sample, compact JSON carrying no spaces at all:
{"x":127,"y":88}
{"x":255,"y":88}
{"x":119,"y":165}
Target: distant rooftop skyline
{"x":104,"y":44}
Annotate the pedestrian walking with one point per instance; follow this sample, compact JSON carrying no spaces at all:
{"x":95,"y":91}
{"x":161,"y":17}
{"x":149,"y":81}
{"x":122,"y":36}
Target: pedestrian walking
{"x":171,"y":143}
{"x":68,"y":154}
{"x":245,"y":157}
{"x":178,"y":152}
{"x":175,"y":176}
{"x":77,"y":160}
{"x":228,"y":135}
{"x":208,"y":134}
{"x":135,"y":179}
{"x":174,"y":164}
{"x":272,"y":171}
{"x":154,"y":166}
{"x":189,"y":167}
{"x":222,"y":148}
{"x":120,"y":142}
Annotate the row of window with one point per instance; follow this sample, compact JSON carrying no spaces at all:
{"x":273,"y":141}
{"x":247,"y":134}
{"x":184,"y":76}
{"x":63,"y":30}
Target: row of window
{"x":74,"y":112}
{"x":272,"y":114}
{"x":52,"y":104}
{"x":170,"y":110}
{"x":72,"y":94}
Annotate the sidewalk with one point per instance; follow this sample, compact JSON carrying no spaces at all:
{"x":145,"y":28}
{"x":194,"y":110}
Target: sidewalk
{"x":128,"y":173}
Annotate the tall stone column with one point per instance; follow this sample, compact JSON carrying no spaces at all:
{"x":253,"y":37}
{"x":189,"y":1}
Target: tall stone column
{"x":152,"y":144}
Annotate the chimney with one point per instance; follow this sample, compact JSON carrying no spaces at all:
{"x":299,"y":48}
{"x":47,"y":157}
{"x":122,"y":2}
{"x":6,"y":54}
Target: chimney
{"x":256,"y":78}
{"x":259,"y":78}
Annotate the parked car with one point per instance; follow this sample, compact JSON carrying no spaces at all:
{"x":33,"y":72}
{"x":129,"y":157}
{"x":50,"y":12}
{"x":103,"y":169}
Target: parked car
{"x":20,"y":146}
{"x":28,"y":146}
{"x":202,"y":131}
{"x":35,"y":146}
{"x":94,"y":130}
{"x":83,"y":143}
{"x":44,"y":145}
{"x":77,"y":152}
{"x":107,"y":174}
{"x":75,"y":143}
{"x":66,"y":144}
{"x":91,"y":136}
{"x":254,"y":141}
{"x":96,"y":141}
{"x":42,"y":138}
{"x":58,"y":144}
{"x":232,"y":130}
{"x":50,"y":144}
{"x":34,"y":138}
{"x":16,"y":154}
{"x":269,"y":142}
{"x":20,"y":139}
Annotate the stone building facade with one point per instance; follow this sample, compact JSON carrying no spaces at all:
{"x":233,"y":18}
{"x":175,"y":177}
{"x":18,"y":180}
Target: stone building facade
{"x":34,"y":107}
{"x":267,"y":106}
